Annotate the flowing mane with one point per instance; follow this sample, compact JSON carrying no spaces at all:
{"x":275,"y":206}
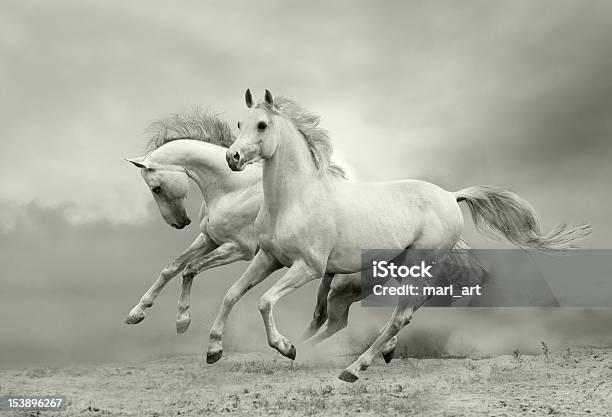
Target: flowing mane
{"x":204,"y":126}
{"x":317,"y":138}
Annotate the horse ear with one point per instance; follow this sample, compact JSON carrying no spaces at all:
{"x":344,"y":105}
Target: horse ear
{"x":268,"y":97}
{"x":138,"y":162}
{"x":248,"y":97}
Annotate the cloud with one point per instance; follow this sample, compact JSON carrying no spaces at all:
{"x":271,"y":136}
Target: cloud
{"x":454,"y":95}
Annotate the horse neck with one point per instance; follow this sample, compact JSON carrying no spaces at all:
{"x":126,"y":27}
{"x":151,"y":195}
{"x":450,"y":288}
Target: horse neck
{"x":289,"y":170}
{"x":206,"y":166}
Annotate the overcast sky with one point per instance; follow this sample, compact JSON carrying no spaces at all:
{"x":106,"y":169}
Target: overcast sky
{"x":516,"y":94}
{"x":510,"y":93}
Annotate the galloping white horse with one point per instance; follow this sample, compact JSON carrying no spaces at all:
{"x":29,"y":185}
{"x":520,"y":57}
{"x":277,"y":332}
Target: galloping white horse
{"x":192,"y":146}
{"x":316,"y":222}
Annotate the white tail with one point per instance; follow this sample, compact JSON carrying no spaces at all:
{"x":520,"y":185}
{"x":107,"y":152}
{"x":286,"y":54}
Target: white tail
{"x":513,"y":217}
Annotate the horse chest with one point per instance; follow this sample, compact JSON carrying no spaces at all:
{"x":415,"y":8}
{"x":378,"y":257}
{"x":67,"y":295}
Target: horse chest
{"x":278,"y":241}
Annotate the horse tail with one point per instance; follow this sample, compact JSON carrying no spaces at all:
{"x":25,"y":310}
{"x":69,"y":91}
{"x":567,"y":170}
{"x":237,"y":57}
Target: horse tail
{"x":510,"y":215}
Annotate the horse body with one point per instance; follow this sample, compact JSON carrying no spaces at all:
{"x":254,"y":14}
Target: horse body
{"x":391,"y":215}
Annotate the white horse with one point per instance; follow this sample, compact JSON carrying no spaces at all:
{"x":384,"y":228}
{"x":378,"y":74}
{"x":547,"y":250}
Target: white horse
{"x":316,"y":222}
{"x":230,"y":201}
{"x":192,"y":146}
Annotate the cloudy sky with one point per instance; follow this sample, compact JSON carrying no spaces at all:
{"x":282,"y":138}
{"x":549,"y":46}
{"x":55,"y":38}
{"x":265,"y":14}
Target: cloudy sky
{"x":511,"y":93}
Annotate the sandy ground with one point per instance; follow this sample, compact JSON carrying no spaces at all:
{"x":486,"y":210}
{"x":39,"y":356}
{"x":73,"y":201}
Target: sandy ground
{"x":576,"y":382}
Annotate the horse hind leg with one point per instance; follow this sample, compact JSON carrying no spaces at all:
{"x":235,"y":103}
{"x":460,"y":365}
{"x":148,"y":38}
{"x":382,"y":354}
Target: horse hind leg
{"x":345,"y":290}
{"x":337,"y":320}
{"x":320,"y":313}
{"x":400,"y":318}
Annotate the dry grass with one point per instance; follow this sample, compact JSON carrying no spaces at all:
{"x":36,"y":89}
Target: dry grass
{"x":572,"y":382}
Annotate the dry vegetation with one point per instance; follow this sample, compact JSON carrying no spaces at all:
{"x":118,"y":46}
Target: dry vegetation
{"x":576,"y":382}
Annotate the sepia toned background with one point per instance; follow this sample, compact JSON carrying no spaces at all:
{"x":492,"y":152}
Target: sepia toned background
{"x":514,"y":94}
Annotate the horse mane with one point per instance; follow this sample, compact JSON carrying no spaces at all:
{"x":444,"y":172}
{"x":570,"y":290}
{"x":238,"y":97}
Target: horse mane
{"x":201,"y":125}
{"x":317,"y":138}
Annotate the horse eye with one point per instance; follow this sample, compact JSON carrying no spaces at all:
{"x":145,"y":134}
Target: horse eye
{"x":238,"y":125}
{"x":261,"y":125}
{"x":156,"y":190}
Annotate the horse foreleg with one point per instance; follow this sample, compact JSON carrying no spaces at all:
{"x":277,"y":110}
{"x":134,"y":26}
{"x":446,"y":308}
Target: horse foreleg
{"x":259,"y":269}
{"x":199,"y":247}
{"x":320,"y":313}
{"x":225,"y":254}
{"x":299,"y":274}
{"x":401,"y":316}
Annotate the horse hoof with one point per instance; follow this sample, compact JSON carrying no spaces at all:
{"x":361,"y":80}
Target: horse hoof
{"x":388,"y":356}
{"x":134,"y":318}
{"x":212,"y":357}
{"x":292,"y":353}
{"x":348,"y":376}
{"x":183,"y":324}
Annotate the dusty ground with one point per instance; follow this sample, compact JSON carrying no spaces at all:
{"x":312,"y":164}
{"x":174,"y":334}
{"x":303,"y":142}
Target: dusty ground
{"x":576,"y":382}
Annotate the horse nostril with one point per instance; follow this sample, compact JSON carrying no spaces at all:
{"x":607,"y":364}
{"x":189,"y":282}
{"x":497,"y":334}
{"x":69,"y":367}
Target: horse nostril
{"x":236,"y":156}
{"x":175,"y":225}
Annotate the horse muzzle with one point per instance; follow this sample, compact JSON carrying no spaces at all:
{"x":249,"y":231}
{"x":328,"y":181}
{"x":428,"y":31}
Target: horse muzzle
{"x":235,"y":160}
{"x":182,"y":224}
